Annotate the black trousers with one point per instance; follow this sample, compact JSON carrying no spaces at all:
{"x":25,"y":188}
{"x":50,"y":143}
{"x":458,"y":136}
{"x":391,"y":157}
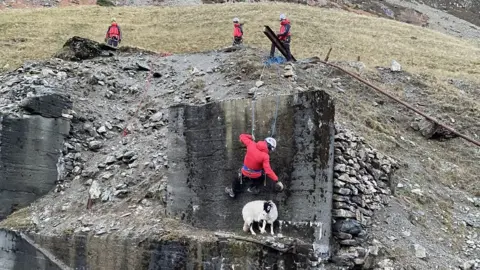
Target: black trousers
{"x":113,"y":41}
{"x":286,"y":44}
{"x":239,"y":183}
{"x":237,"y":41}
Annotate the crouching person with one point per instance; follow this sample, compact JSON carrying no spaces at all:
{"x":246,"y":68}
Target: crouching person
{"x":256,"y":166}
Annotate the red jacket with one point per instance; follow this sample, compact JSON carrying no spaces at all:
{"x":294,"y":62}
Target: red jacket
{"x":284,"y":29}
{"x":114,"y":31}
{"x":256,"y":159}
{"x":237,"y":30}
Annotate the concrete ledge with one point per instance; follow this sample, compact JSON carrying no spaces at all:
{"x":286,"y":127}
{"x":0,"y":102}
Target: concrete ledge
{"x":18,"y":253}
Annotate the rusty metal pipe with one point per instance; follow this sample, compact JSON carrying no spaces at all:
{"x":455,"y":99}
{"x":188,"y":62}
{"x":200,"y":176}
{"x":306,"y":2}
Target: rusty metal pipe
{"x":403,"y":103}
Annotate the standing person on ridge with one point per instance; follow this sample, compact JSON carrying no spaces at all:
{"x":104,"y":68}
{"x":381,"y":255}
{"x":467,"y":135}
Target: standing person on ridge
{"x":283,"y":36}
{"x":237,"y":32}
{"x":114,"y":34}
{"x":256,"y":165}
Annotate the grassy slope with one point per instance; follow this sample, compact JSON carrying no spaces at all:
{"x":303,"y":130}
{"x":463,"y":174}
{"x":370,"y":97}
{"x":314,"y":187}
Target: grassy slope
{"x":187,"y":29}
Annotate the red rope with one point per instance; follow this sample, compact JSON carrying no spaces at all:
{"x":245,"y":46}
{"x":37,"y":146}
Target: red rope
{"x":125,"y":131}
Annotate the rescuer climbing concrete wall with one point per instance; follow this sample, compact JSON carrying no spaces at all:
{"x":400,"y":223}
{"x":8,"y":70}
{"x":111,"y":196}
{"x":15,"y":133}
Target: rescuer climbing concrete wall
{"x":206,"y":155}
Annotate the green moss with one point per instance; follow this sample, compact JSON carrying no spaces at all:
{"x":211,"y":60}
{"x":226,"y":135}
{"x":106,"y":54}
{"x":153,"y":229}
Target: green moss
{"x":18,"y":220}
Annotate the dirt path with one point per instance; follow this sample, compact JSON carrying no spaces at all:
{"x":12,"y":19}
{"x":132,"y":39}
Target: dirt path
{"x":442,"y":21}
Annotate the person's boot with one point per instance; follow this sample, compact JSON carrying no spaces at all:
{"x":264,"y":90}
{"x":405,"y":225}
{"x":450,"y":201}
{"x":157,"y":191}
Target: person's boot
{"x":254,"y":190}
{"x":229,"y":191}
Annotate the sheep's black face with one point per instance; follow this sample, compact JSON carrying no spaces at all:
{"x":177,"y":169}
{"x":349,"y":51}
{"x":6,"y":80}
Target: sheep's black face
{"x":267,"y":206}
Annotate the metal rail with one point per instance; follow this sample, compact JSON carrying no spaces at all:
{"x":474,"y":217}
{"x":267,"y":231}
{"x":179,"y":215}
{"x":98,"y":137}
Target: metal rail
{"x":274,"y":39}
{"x":402,"y":102}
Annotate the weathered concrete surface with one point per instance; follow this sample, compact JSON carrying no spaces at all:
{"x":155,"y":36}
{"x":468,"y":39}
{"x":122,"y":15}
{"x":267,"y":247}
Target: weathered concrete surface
{"x":206,"y":154}
{"x":113,"y":252}
{"x":18,"y":254}
{"x":29,"y":151}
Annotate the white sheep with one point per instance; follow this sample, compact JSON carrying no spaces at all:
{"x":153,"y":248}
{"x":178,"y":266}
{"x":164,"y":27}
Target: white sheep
{"x":256,"y":211}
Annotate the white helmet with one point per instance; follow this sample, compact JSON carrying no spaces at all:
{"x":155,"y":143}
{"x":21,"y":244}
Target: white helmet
{"x":235,"y":20}
{"x":272,"y":143}
{"x":282,"y":17}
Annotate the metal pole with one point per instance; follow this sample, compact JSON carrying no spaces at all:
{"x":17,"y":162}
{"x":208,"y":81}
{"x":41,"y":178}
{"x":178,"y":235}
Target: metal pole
{"x":404,"y":104}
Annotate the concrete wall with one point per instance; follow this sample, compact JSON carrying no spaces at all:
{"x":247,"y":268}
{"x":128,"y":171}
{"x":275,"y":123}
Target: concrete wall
{"x":29,"y":151}
{"x":206,"y":154}
{"x":109,"y":252}
{"x":18,"y":254}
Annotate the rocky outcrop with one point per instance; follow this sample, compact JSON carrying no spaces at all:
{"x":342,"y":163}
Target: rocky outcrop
{"x":362,"y":178}
{"x":78,"y":48}
{"x":30,"y":149}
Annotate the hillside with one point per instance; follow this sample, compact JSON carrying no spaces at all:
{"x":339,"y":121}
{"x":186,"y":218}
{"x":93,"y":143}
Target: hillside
{"x":437,"y":181}
{"x":190,"y":29}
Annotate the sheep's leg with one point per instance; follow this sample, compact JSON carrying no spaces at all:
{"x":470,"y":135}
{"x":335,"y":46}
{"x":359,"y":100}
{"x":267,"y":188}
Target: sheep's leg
{"x":245,"y":226}
{"x":262,"y":230}
{"x":251,"y":229}
{"x":271,"y":228}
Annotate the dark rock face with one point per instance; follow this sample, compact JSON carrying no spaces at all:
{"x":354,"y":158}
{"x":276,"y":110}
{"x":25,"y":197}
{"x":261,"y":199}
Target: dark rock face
{"x":29,"y":151}
{"x":206,"y":154}
{"x":16,"y":253}
{"x":47,"y":105}
{"x":78,"y":48}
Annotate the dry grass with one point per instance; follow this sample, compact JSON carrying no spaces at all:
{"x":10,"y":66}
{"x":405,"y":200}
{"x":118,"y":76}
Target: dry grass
{"x":20,"y":219}
{"x":189,"y":29}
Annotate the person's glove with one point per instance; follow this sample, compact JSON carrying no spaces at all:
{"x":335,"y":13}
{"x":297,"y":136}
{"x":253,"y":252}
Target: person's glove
{"x":279,"y":186}
{"x":105,"y":39}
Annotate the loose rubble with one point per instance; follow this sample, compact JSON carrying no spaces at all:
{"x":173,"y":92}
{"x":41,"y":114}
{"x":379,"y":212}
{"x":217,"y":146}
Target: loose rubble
{"x":124,"y":175}
{"x":395,"y":67}
{"x":362,"y":178}
{"x":115,"y":153}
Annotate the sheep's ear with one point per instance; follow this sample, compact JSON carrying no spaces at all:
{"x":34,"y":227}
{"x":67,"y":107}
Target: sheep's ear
{"x":267,"y":206}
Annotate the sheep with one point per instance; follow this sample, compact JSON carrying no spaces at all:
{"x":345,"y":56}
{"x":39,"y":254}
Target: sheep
{"x":257,"y":211}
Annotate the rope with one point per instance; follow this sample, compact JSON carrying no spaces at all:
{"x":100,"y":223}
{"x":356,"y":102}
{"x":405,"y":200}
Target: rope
{"x":147,"y":85}
{"x":253,"y":119}
{"x":274,"y":124}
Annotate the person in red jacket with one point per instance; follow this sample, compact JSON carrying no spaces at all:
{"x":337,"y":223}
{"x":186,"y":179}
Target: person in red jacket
{"x":256,"y":165}
{"x":237,"y":32}
{"x":283,"y":36}
{"x":114,"y":34}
